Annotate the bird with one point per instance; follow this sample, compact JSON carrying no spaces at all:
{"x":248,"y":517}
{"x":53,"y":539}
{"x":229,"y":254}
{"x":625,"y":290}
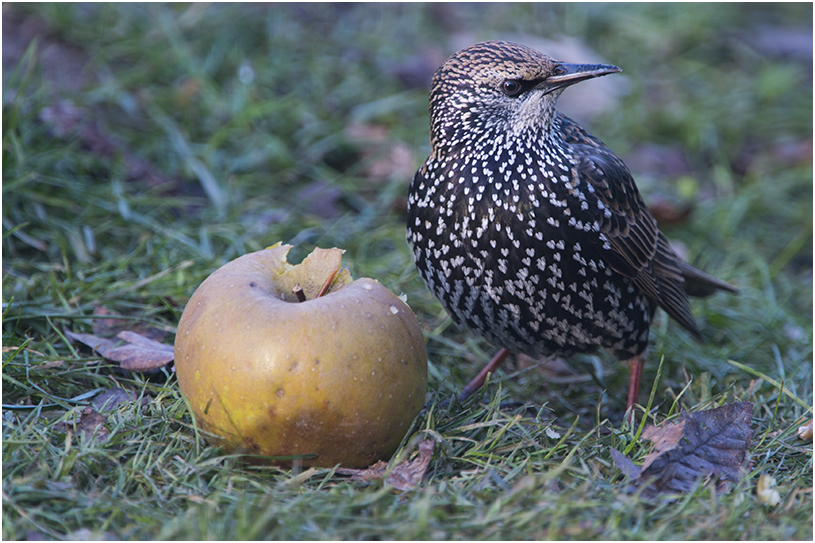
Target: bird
{"x":529,"y":230}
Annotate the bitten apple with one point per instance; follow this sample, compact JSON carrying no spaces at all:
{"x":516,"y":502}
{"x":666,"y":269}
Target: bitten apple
{"x":285,"y":361}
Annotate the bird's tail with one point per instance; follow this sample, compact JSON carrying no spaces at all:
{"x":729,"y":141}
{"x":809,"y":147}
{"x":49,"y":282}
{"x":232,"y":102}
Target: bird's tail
{"x":700,"y":284}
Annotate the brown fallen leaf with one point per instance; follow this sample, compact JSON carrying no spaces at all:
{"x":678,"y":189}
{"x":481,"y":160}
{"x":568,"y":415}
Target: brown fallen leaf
{"x":711,"y":443}
{"x":371,"y":473}
{"x":629,"y":468}
{"x":139,"y":354}
{"x":113,"y":397}
{"x":805,"y":431}
{"x":142,"y":354}
{"x":98,"y":344}
{"x":405,"y":476}
{"x":408,"y":475}
{"x":89,"y":421}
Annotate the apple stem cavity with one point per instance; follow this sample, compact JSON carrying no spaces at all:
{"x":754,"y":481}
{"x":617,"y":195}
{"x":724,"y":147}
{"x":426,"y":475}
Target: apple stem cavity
{"x":327,"y":283}
{"x":298,"y":291}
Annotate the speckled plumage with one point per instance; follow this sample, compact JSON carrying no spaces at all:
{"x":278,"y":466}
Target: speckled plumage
{"x":530,"y":231}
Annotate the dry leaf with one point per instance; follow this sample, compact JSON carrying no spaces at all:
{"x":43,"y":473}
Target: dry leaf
{"x":629,"y":469}
{"x":711,"y":443}
{"x":112,"y":398}
{"x":665,"y":439}
{"x":766,"y":492}
{"x":140,"y":354}
{"x":407,"y":475}
{"x":98,"y":344}
{"x":89,"y":421}
{"x":371,"y":473}
{"x":805,"y":431}
{"x":404,"y":476}
{"x":551,"y":433}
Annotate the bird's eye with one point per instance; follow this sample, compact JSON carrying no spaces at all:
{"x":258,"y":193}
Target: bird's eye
{"x":510,"y":87}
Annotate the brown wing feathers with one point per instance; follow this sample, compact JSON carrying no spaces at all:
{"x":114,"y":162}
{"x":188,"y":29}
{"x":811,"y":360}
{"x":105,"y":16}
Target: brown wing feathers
{"x":638,"y":249}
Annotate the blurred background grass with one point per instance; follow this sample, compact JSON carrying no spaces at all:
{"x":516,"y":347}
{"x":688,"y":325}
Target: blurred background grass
{"x":144,"y":145}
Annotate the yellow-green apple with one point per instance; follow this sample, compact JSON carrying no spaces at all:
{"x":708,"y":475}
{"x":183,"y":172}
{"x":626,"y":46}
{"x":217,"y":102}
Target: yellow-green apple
{"x":283,"y":360}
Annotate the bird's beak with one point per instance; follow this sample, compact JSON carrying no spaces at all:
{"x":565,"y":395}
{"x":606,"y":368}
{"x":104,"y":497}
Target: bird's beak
{"x":575,"y":73}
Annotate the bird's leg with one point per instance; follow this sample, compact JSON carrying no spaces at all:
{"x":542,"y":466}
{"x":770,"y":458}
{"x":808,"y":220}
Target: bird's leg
{"x":479,"y":379}
{"x":637,"y":364}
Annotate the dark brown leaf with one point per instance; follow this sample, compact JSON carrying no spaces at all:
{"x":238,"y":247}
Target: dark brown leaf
{"x":89,"y":421}
{"x":625,"y":465}
{"x":98,"y":344}
{"x":114,"y":397}
{"x":711,"y":443}
{"x":140,"y":354}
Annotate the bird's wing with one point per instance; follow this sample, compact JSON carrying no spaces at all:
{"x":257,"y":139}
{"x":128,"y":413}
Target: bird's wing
{"x":628,"y":237}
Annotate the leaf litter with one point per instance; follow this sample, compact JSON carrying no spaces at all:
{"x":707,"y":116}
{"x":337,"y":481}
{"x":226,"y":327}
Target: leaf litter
{"x":805,"y":431}
{"x":112,"y":398}
{"x":89,"y":423}
{"x":406,"y":475}
{"x":138,"y":354}
{"x":704,"y":444}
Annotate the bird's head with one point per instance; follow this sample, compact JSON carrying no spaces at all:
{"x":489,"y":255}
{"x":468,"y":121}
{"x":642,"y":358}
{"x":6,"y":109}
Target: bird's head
{"x":500,"y":87}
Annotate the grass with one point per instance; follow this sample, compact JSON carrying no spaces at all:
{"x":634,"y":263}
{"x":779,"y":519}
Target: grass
{"x":243,"y":118}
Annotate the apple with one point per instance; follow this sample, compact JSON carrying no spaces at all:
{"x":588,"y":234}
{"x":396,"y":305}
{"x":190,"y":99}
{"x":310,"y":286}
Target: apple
{"x":283,"y":360}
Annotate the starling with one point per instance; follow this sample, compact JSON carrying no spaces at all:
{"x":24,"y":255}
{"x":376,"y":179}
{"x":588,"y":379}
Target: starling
{"x":527,"y":228}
